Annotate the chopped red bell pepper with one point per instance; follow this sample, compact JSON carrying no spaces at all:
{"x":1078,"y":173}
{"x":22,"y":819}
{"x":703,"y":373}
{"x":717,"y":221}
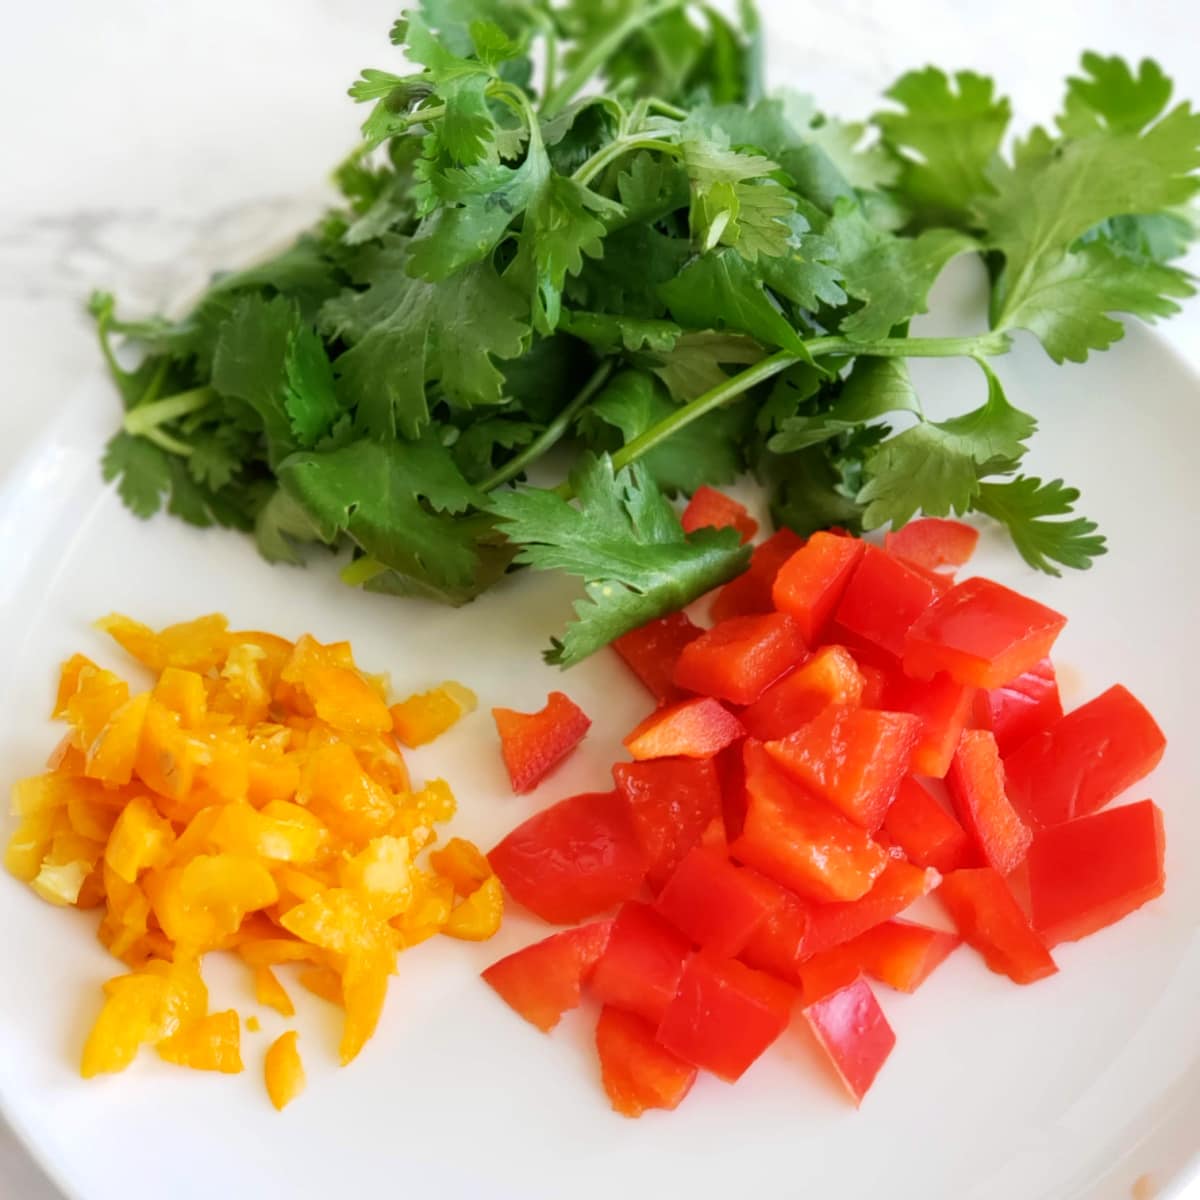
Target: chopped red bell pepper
{"x":976,"y":782}
{"x":777,"y":945}
{"x":717,"y":904}
{"x":943,"y":707}
{"x":826,"y":973}
{"x":800,"y":841}
{"x":696,"y":728}
{"x":1093,"y":871}
{"x":710,"y":508}
{"x":574,"y":859}
{"x":636,"y":1071}
{"x":739,"y":659}
{"x":543,"y":981}
{"x":750,"y":592}
{"x":987,"y":915}
{"x":875,"y":681}
{"x":674,"y":802}
{"x":903,"y":955}
{"x":933,"y":542}
{"x":640,"y":968}
{"x":981,"y":633}
{"x":1015,"y":712}
{"x":830,"y":676}
{"x":724,"y":1015}
{"x":883,"y":599}
{"x":652,"y":650}
{"x":854,"y":758}
{"x":924,"y":830}
{"x":850,"y":1027}
{"x":533,"y":744}
{"x":900,"y":885}
{"x":1084,"y":760}
{"x":810,"y":584}
{"x":731,"y":770}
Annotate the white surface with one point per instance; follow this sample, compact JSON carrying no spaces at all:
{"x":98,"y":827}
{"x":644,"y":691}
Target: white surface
{"x":146,"y":142}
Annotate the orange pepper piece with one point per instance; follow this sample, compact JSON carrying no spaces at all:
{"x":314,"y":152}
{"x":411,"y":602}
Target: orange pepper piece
{"x":111,"y":756}
{"x":97,"y":697}
{"x":478,"y":916}
{"x":283,"y":1071}
{"x":212,"y":1043}
{"x":167,"y":757}
{"x":183,"y":692}
{"x":463,"y":863}
{"x":269,"y":991}
{"x":324,"y":982}
{"x":68,"y":682}
{"x":140,"y":839}
{"x":205,"y":900}
{"x":427,"y":715}
{"x":364,"y":990}
{"x":336,"y":788}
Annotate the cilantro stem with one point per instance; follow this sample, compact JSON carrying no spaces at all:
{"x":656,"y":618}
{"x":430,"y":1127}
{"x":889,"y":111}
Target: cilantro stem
{"x":616,"y":148}
{"x":172,"y":445}
{"x":985,"y":344}
{"x":146,"y":418}
{"x":590,"y":62}
{"x":552,"y":433}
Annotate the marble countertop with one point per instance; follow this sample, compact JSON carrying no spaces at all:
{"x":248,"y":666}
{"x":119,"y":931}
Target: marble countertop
{"x":146,"y":143}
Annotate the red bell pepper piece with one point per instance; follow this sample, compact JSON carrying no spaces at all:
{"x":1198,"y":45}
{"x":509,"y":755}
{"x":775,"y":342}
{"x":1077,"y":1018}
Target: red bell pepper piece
{"x":731,"y":769}
{"x":724,"y":1015}
{"x":943,"y":707}
{"x":696,"y":728}
{"x":673,"y":802}
{"x":850,"y":1027}
{"x":574,"y":859}
{"x":1084,"y":760}
{"x":903,"y":955}
{"x":924,"y":830}
{"x":543,"y":981}
{"x":854,"y":758}
{"x":717,"y":904}
{"x":750,"y":592}
{"x":933,"y":542}
{"x":900,"y":885}
{"x":1093,"y":871}
{"x":640,"y":968}
{"x":1015,"y":712}
{"x":739,"y":659}
{"x":976,"y":782}
{"x":533,"y":744}
{"x":800,"y":841}
{"x":810,"y":584}
{"x":710,"y":508}
{"x":830,"y":676}
{"x":652,"y":650}
{"x":989,"y":919}
{"x":875,"y":681}
{"x":777,"y":945}
{"x":981,"y":633}
{"x":883,"y":599}
{"x":636,"y":1071}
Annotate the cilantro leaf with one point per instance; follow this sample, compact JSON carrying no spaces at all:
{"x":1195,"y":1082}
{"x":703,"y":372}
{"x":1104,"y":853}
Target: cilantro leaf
{"x":696,"y":362}
{"x":611,"y":334}
{"x":141,"y":470}
{"x":625,"y":541}
{"x":475,"y":449}
{"x":1110,"y":96}
{"x":1024,"y":503}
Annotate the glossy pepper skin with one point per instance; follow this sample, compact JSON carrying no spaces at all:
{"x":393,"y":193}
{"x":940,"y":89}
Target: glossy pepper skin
{"x":1091,"y":872}
{"x":698,"y":728}
{"x":976,"y":782}
{"x":711,"y":508}
{"x":641,"y":965}
{"x":637,"y":1072}
{"x":1084,"y":760}
{"x":738,"y":659}
{"x":933,"y":542}
{"x":778,"y":945}
{"x":533,"y":744}
{"x":924,"y":830}
{"x":810,"y":584}
{"x":850,"y":1027}
{"x":943,"y":708}
{"x":883,"y":599}
{"x":830,"y":676}
{"x":750,"y":592}
{"x":652,"y":650}
{"x":1028,"y":705}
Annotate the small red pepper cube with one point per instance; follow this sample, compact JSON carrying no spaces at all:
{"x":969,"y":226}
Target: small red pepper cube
{"x":750,"y":592}
{"x":575,"y":859}
{"x":943,"y":707}
{"x":933,"y":542}
{"x":710,"y":508}
{"x":875,"y":681}
{"x":900,"y":885}
{"x":533,"y":744}
{"x":981,"y":633}
{"x":924,"y":830}
{"x":799,"y":840}
{"x":810,"y":584}
{"x":828,"y":972}
{"x":777,"y":945}
{"x":854,"y":758}
{"x":1015,"y":712}
{"x":850,"y":1027}
{"x":636,"y":1071}
{"x":739,"y":659}
{"x":903,"y":955}
{"x":674,"y":801}
{"x":1093,"y":871}
{"x":724,"y":1015}
{"x":976,"y":782}
{"x":830,"y":676}
{"x":989,"y":918}
{"x":696,"y":728}
{"x":652,"y":650}
{"x":1084,"y":760}
{"x":717,"y":904}
{"x":543,"y":981}
{"x":883,"y":599}
{"x":640,"y":968}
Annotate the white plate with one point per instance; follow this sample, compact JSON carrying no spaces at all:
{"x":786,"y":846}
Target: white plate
{"x":1076,"y":1087}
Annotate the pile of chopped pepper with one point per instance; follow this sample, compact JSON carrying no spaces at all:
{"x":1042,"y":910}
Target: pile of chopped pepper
{"x":255,"y":800}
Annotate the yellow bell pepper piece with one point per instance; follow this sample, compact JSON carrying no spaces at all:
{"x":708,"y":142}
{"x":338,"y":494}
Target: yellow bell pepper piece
{"x":478,"y":916}
{"x":427,"y":715}
{"x":212,"y":1043}
{"x":283,"y":1070}
{"x":269,"y":991}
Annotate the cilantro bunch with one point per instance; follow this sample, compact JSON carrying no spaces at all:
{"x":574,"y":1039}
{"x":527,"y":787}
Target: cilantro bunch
{"x":583,"y":225}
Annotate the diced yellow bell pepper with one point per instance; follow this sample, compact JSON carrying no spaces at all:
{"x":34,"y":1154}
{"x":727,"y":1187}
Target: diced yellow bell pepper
{"x":183,"y":692}
{"x":478,"y":916}
{"x":336,"y":788}
{"x":140,"y":839}
{"x":212,"y":1043}
{"x":380,"y":875}
{"x":205,"y":900}
{"x":269,"y":991}
{"x":324,"y":982}
{"x":168,"y":757}
{"x":98,"y":696}
{"x":364,"y":990}
{"x":427,"y":715}
{"x":68,"y":682}
{"x":433,"y":898}
{"x":463,"y":863}
{"x":283,"y":1071}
